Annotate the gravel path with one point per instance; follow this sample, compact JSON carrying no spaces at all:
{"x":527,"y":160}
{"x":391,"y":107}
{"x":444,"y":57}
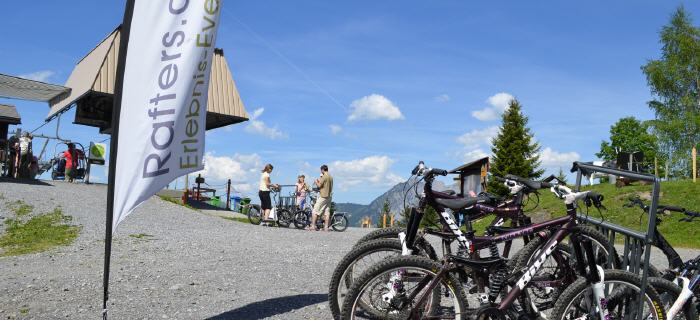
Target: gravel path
{"x":188,"y":266}
{"x":194,"y":266}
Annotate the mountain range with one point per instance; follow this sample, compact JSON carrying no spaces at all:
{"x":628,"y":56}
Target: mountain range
{"x":395,"y":195}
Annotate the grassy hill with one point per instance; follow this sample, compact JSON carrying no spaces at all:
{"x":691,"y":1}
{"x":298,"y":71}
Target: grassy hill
{"x":683,"y":193}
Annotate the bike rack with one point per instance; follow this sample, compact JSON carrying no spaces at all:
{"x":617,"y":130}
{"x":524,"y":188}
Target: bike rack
{"x":634,"y":242}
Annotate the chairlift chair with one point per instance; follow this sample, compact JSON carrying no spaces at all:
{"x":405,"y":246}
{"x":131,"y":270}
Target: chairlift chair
{"x":58,"y":163}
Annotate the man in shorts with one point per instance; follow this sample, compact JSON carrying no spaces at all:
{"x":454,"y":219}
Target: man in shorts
{"x":323,"y":203}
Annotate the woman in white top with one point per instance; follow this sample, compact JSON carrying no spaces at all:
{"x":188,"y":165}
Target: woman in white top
{"x":264,"y":191}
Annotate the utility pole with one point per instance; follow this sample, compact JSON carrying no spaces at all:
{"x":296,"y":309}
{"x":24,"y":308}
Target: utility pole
{"x":184,"y":199}
{"x":228,"y":195}
{"x":199,"y":186}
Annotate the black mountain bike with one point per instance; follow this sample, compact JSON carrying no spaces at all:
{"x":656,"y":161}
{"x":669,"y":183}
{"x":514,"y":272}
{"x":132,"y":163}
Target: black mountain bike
{"x":679,"y":284}
{"x":283,"y":217}
{"x":415,"y":287}
{"x":302,"y":218}
{"x":382,"y":243}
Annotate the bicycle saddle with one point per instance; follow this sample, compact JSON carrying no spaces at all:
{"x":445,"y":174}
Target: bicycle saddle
{"x":457,"y":204}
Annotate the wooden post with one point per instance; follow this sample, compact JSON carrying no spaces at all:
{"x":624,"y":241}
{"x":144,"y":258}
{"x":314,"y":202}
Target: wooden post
{"x":199,"y":187}
{"x":392,"y":221}
{"x":695,"y":154}
{"x":228,"y":195}
{"x":656,"y":167}
{"x":187,"y":178}
{"x":384,"y":220}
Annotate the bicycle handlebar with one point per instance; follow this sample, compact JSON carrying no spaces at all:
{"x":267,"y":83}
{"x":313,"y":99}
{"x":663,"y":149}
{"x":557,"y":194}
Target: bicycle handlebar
{"x":422,"y":170}
{"x":636,"y":201}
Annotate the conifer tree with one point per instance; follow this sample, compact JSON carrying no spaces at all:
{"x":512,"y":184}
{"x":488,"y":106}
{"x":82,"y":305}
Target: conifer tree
{"x":514,"y":149}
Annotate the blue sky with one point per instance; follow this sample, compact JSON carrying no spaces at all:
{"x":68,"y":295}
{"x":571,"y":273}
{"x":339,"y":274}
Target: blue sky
{"x":370,"y":87}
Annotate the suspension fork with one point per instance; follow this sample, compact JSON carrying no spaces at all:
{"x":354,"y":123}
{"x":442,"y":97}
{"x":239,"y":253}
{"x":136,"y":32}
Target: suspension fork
{"x":408,"y":239}
{"x":431,"y":284}
{"x":685,"y":295}
{"x":594,"y":274}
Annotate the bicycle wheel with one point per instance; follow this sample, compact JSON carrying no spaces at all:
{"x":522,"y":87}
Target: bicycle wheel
{"x":284,"y":218}
{"x":301,"y":219}
{"x":393,"y":288}
{"x":339,"y":223}
{"x":669,"y":292}
{"x":254,"y":214}
{"x":392,"y":232}
{"x":621,"y":301}
{"x":550,"y":280}
{"x":354,"y":263}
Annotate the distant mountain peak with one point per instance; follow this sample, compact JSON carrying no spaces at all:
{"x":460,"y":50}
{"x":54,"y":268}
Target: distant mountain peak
{"x":395,"y":195}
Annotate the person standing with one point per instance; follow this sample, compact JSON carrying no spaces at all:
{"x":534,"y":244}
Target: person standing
{"x":264,"y":192}
{"x":301,"y":189}
{"x":71,"y":157}
{"x":25,"y":151}
{"x":323,"y":203}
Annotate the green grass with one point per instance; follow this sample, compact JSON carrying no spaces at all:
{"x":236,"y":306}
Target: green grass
{"x":143,"y":236}
{"x":177,"y":201}
{"x":37,"y":234}
{"x":22,"y":209}
{"x":682,"y":193}
{"x":238,"y":219}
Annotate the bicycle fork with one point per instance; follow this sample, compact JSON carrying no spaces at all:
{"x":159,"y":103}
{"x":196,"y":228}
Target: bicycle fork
{"x":684,"y":296}
{"x":595,"y":275}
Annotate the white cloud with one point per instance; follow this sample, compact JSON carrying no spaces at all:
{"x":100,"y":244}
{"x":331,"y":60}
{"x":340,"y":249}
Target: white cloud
{"x":335,"y":129}
{"x":259,"y":127}
{"x":471,"y":155}
{"x":42,"y":76}
{"x":442,"y":98}
{"x":478,"y":137}
{"x":551,"y":158}
{"x":498,"y":104}
{"x":242,"y":169}
{"x":372,"y":170}
{"x":374,"y":107}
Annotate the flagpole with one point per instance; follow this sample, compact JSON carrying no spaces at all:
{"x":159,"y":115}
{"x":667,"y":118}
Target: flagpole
{"x":116,"y":110}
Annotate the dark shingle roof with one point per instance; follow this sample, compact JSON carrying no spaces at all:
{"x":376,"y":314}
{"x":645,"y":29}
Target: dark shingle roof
{"x":8,"y":114}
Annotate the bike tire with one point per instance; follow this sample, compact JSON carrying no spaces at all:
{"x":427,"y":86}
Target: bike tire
{"x":254,"y":214}
{"x":339,"y":276}
{"x":531,"y":251}
{"x":284,"y":218}
{"x":416,"y":262}
{"x":669,"y":292}
{"x":392,"y":232}
{"x":301,"y":220}
{"x":341,"y":225}
{"x":581,"y":286}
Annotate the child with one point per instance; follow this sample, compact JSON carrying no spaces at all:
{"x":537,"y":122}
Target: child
{"x":301,"y":189}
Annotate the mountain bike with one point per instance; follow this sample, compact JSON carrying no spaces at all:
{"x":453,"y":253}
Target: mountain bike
{"x":382,"y":243}
{"x":282,"y":216}
{"x":302,"y":217}
{"x":413,"y":286}
{"x":680,"y":283}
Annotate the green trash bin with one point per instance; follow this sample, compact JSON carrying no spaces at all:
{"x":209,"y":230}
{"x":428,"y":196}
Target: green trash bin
{"x":215,"y":201}
{"x":244,"y":205}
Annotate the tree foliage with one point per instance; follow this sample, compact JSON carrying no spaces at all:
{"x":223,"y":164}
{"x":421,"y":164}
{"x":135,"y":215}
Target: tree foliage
{"x":629,"y":135}
{"x":674,"y":80}
{"x":514,"y":149}
{"x":561,"y":176}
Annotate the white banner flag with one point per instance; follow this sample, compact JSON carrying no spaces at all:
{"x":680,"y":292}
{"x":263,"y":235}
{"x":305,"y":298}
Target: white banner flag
{"x":164,"y":97}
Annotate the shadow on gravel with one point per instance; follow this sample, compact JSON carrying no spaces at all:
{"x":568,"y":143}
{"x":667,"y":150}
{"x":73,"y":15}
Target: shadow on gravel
{"x":271,"y":307}
{"x":25,"y":181}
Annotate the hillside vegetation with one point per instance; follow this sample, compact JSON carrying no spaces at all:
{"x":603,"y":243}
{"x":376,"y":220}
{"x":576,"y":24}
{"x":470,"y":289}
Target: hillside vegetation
{"x":682,"y":193}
